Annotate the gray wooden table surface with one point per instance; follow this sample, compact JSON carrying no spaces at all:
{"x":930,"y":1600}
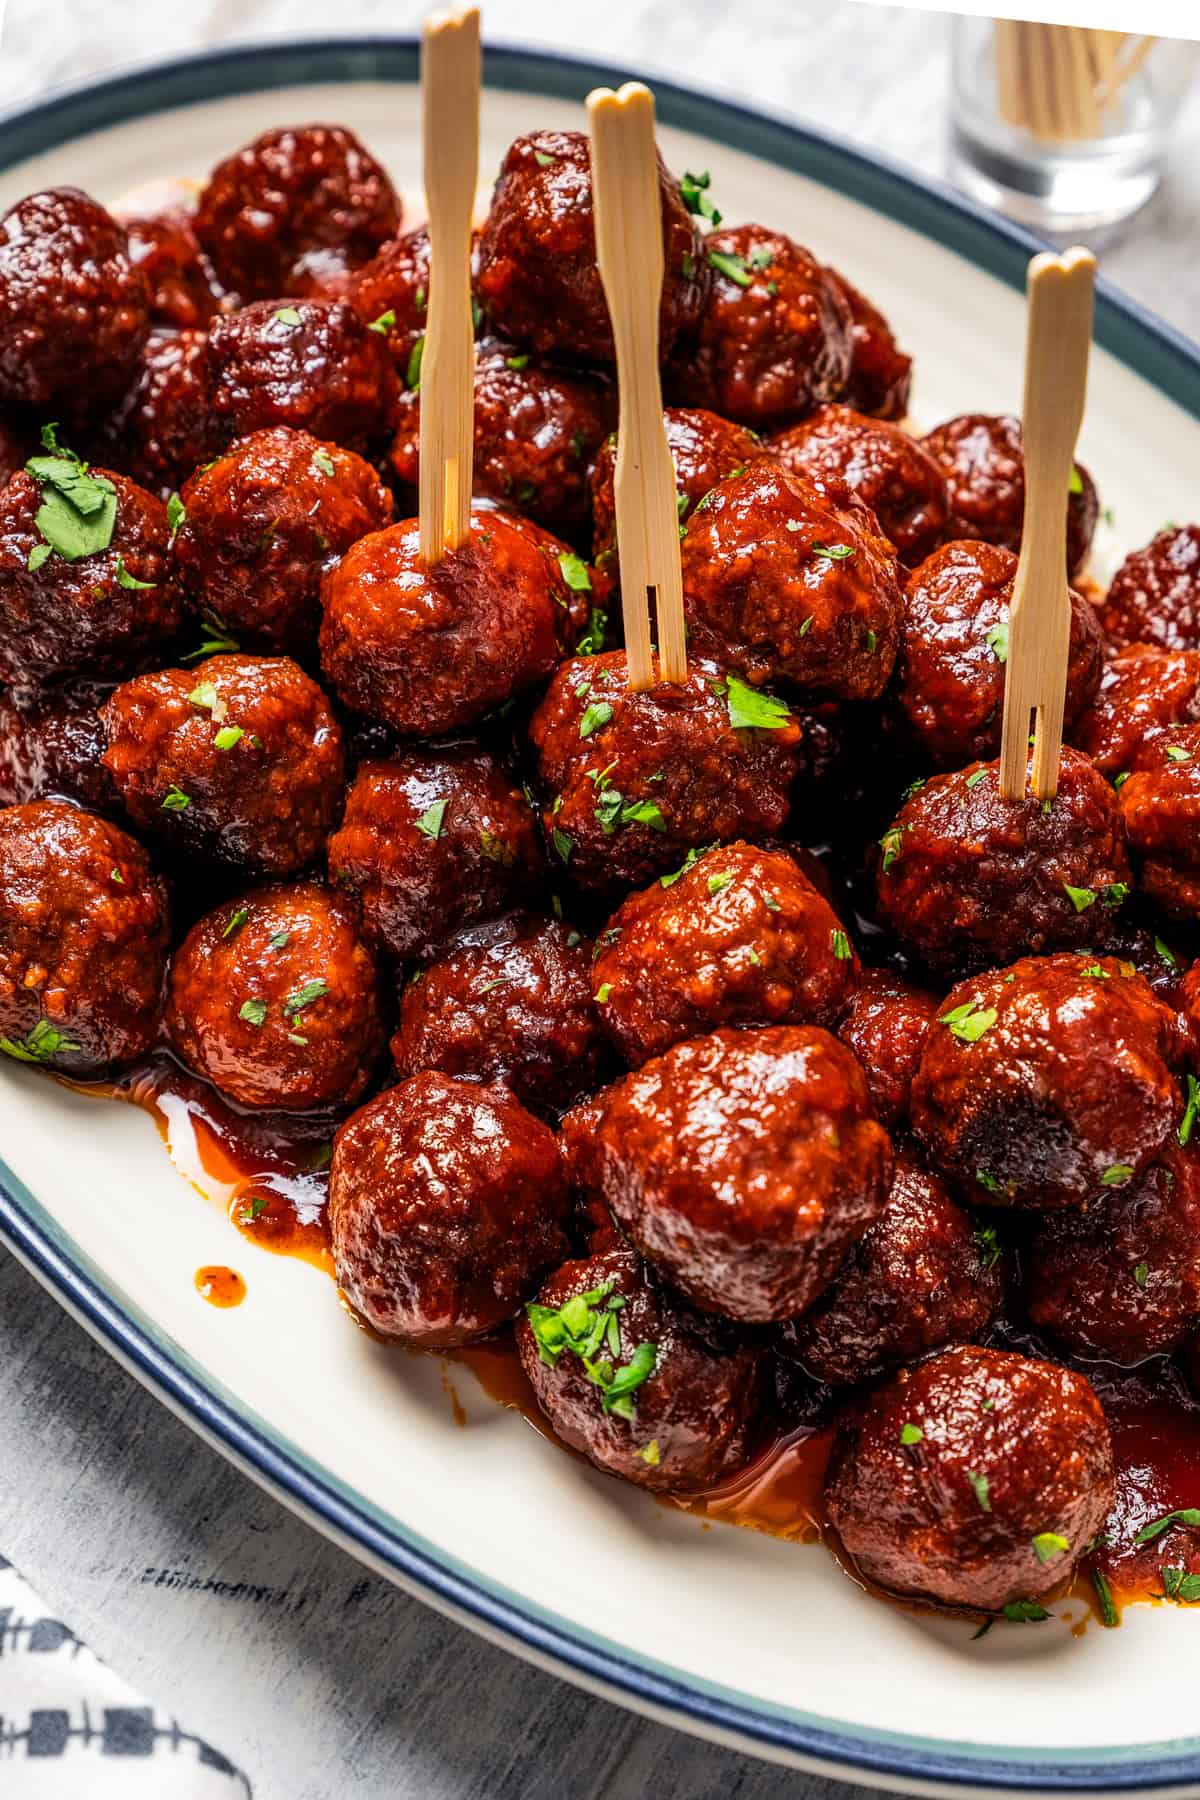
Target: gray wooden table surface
{"x":318,"y":1678}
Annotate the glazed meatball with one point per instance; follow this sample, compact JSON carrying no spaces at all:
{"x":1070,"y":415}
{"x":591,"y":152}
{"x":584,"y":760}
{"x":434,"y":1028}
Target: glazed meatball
{"x":434,"y":842}
{"x":1160,"y":809}
{"x":295,"y":212}
{"x":313,"y":365}
{"x":742,"y":938}
{"x":510,"y":1002}
{"x":962,"y":1479}
{"x":880,"y":372}
{"x":159,"y":432}
{"x":262,"y":524}
{"x":537,"y":431}
{"x":685,"y":1390}
{"x":431,"y":650}
{"x":887,"y":469}
{"x":704,"y":449}
{"x":74,"y":311}
{"x":83,"y":940}
{"x":274,"y":999}
{"x":74,"y":609}
{"x":983,"y":460}
{"x":446,"y":1207}
{"x":781,"y":583}
{"x":886,"y":1024}
{"x":238,"y":759}
{"x":1155,"y":594}
{"x":949,"y":688}
{"x":1047,"y":1084}
{"x":968,"y":879}
{"x":922,"y":1277}
{"x":390,"y":294}
{"x":51,"y":742}
{"x":183,"y":293}
{"x":635,"y":782}
{"x":743,"y":1165}
{"x":537,"y":278}
{"x":774,"y":337}
{"x":1142,"y":690}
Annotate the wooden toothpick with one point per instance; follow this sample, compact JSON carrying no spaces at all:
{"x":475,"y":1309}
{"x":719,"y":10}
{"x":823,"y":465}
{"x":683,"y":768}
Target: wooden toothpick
{"x":450,"y":78}
{"x":629,"y":250}
{"x":1058,"y":340}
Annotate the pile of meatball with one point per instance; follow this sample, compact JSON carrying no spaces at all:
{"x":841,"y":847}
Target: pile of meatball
{"x":732,"y":1039}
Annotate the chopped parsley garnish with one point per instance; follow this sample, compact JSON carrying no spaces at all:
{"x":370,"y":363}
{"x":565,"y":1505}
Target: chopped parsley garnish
{"x":203,"y":695}
{"x":176,"y":514}
{"x":986,"y":1241}
{"x":216,"y":642}
{"x":596,"y":715}
{"x":1177,"y":753}
{"x":1116,"y":893}
{"x":257,"y":1205}
{"x":1049,"y":1544}
{"x":588,"y":1327}
{"x":412,"y":373}
{"x":312,"y":990}
{"x":1080,"y":897}
{"x":37,"y":557}
{"x":911,"y":1434}
{"x":602,"y":993}
{"x":872,"y":642}
{"x":253,"y":1011}
{"x":1184,"y":1515}
{"x":718,"y":882}
{"x":997,"y":641}
{"x":1096,"y":973}
{"x":175,"y":800}
{"x":1141,"y":1274}
{"x":982,"y":1489}
{"x":841,"y":946}
{"x":236,"y":921}
{"x":643,"y":812}
{"x":1075,"y":485}
{"x":39,"y":1044}
{"x":975,"y":779}
{"x":731,"y":266}
{"x":114,"y":874}
{"x":517,"y":363}
{"x":126,"y":580}
{"x":689,"y":862}
{"x":592,"y":641}
{"x":430,"y":822}
{"x":1166,"y":954}
{"x":543,"y":159}
{"x":1181,"y":1586}
{"x":575,"y":572}
{"x":78,"y":511}
{"x":280,"y":941}
{"x":761,"y":257}
{"x":383,"y":324}
{"x":322,"y":460}
{"x":650,"y":1454}
{"x":228,"y":736}
{"x":750,"y":710}
{"x":287,"y":315}
{"x":1109,"y":1615}
{"x":770,"y":902}
{"x":988,"y":1181}
{"x":892,"y":845}
{"x":496,"y":850}
{"x":693,"y":191}
{"x":563,"y":845}
{"x":1188,"y":1121}
{"x":968,"y":1024}
{"x":832,"y":552}
{"x":1024,"y":1612}
{"x":1117,"y":1175}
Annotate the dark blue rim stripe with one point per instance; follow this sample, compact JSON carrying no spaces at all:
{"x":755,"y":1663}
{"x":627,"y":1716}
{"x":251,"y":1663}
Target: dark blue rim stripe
{"x":1161,"y":355}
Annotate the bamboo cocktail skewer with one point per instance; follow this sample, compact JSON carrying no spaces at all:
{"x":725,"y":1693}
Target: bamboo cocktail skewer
{"x":1058,"y":340}
{"x":629,"y":250}
{"x":450,"y":80}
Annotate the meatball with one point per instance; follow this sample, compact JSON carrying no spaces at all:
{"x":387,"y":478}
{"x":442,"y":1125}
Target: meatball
{"x":1141,"y":691}
{"x":983,"y":460}
{"x":537,"y":431}
{"x":159,"y":432}
{"x":781,"y":583}
{"x":313,"y":365}
{"x":1155,"y":594}
{"x":74,"y":310}
{"x":434,"y":842}
{"x":238,"y":759}
{"x":295,"y":212}
{"x":81,"y":593}
{"x":968,"y":879}
{"x":83,"y":940}
{"x":977,"y":1478}
{"x":274,"y":999}
{"x":635,"y":782}
{"x":390,"y":294}
{"x":949,"y":688}
{"x":446,"y":1207}
{"x":431,"y":650}
{"x":1160,"y":809}
{"x":510,"y":1002}
{"x":183,"y":293}
{"x":774,"y":337}
{"x":537,"y":278}
{"x":897,"y":479}
{"x":886,"y":1024}
{"x":263,"y":523}
{"x":922,"y":1277}
{"x":742,"y":938}
{"x":1049,"y":1083}
{"x":743,"y":1165}
{"x":685,"y":1390}
{"x":880,"y":372}
{"x":704,"y":449}
{"x":51,"y":742}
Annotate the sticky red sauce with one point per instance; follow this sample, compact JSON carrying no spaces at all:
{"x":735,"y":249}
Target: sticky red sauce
{"x":220,"y":1286}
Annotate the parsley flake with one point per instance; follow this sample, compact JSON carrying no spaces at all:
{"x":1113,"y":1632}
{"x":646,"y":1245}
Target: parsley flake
{"x":175,"y":800}
{"x":575,"y":572}
{"x":1049,"y":1544}
{"x":997,"y":641}
{"x":253,"y":1011}
{"x":287,"y":315}
{"x":982,"y":1489}
{"x":312,"y":990}
{"x":39,"y":1044}
{"x":412,"y":373}
{"x":911,"y":1434}
{"x":832,"y":552}
{"x":596,"y":715}
{"x":841,"y":946}
{"x":126,"y":580}
{"x":1184,"y":1515}
{"x":430,"y":822}
{"x":693,"y":191}
{"x":966,"y":1023}
{"x":322,"y":460}
{"x":1024,"y":1612}
{"x":1080,"y":897}
{"x":228,"y":736}
{"x":1117,"y":1175}
{"x":751,"y":710}
{"x":716,"y":883}
{"x":1188,"y":1121}
{"x":236,"y":921}
{"x":563,"y":845}
{"x":731,"y":266}
{"x":383,"y":324}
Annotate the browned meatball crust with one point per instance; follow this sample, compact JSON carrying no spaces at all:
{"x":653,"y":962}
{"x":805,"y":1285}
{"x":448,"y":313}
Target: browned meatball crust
{"x":634,"y":782}
{"x":390,"y":294}
{"x":686,"y":1422}
{"x":774,"y":337}
{"x":537,"y":277}
{"x":433,"y":842}
{"x":1142,"y":690}
{"x":962,"y":1479}
{"x":782,"y":583}
{"x":886,"y":1023}
{"x":510,"y":1001}
{"x":74,"y":311}
{"x":968,"y":879}
{"x":264,"y":522}
{"x":704,"y":448}
{"x":1160,"y":809}
{"x":89,"y":614}
{"x":51,"y":742}
{"x":83,"y":940}
{"x":183,"y":291}
{"x":742,"y":938}
{"x":238,"y":759}
{"x":159,"y":432}
{"x":431,"y":650}
{"x":744,"y":1165}
{"x":311,"y":364}
{"x":886,"y":468}
{"x":880,"y":372}
{"x":295,"y":212}
{"x":983,"y":460}
{"x":446,"y":1207}
{"x":1155,"y":594}
{"x":274,"y":999}
{"x":1048,"y":1084}
{"x":922,"y":1277}
{"x":949,"y":687}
